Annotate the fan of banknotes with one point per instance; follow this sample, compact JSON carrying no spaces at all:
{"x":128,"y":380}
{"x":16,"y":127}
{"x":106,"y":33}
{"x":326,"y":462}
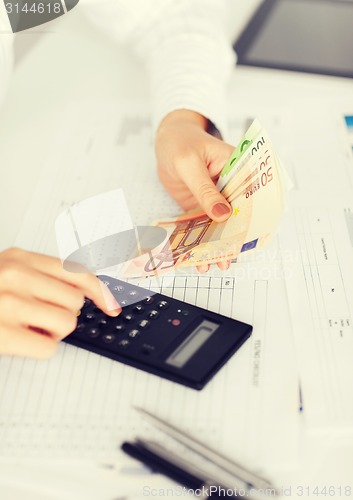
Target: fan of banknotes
{"x":251,"y":181}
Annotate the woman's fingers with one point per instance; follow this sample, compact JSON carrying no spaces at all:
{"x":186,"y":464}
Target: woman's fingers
{"x":223,"y":266}
{"x":20,"y":341}
{"x":17,"y":311}
{"x":41,"y":287}
{"x":39,"y":302}
{"x":197,"y":178}
{"x":204,"y":268}
{"x":86,"y":283}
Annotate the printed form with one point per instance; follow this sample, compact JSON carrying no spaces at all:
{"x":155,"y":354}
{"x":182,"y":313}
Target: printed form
{"x":316,"y":236}
{"x":319,"y":279}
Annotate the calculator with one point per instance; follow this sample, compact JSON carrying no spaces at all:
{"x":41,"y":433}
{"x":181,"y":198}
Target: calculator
{"x":159,"y":334}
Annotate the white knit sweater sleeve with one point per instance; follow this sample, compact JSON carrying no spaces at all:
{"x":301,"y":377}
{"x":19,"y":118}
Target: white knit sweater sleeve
{"x":184,"y":46}
{"x":188,"y":58}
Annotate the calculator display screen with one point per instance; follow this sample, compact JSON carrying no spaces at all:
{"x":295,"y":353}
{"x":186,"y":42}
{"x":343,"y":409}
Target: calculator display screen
{"x":192,"y":344}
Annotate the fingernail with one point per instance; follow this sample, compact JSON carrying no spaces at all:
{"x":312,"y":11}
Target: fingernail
{"x":220,"y":209}
{"x":114,"y":312}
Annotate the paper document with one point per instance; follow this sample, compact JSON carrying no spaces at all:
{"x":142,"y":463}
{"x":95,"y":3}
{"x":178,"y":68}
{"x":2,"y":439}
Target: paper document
{"x":318,"y":234}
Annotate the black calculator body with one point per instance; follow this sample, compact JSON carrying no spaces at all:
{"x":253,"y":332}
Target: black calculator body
{"x":159,"y":334}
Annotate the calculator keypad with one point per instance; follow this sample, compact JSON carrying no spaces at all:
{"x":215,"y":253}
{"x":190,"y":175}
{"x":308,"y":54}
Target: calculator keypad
{"x":139,"y":312}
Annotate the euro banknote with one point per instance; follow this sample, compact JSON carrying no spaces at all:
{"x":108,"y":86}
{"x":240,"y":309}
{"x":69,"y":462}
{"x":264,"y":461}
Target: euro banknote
{"x":251,"y":181}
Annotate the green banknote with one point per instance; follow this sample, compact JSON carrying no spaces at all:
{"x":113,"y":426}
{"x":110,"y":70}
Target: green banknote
{"x":240,"y":155}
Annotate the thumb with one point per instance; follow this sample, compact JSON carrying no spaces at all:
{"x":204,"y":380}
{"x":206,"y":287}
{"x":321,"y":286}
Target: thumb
{"x":211,"y":201}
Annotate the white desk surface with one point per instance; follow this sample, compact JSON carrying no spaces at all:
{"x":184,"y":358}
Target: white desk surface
{"x":72,"y":64}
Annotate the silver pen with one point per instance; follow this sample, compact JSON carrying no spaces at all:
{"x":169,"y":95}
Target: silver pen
{"x":225,"y":463}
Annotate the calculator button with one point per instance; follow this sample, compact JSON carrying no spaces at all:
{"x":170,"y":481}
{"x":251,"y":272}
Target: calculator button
{"x":175,"y":322}
{"x":144,"y":323}
{"x":134,"y":333}
{"x":119,"y":328}
{"x":163,"y":304}
{"x":123,"y":344}
{"x":93,"y":333}
{"x":103,"y":322}
{"x":138,"y":309}
{"x":108,"y":338}
{"x":90,"y":316}
{"x":133,"y":293}
{"x":147,"y":349}
{"x":87,"y":302}
{"x":153,"y":314}
{"x":119,"y":289}
{"x":123,"y":302}
{"x":128,"y":318}
{"x":148,"y":300}
{"x":80,"y":327}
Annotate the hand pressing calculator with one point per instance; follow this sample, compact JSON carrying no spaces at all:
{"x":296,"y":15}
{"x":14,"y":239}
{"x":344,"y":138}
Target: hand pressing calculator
{"x":159,"y":334}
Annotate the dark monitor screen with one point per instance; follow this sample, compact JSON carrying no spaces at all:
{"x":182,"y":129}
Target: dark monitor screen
{"x":303,"y":35}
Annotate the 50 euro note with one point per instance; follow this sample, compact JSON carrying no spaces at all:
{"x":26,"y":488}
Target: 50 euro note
{"x":254,"y":190}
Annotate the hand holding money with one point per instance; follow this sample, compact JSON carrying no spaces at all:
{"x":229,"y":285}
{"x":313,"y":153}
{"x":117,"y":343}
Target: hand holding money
{"x":251,"y":184}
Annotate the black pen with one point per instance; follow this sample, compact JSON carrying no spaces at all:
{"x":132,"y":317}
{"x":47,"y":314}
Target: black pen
{"x":165,"y":462}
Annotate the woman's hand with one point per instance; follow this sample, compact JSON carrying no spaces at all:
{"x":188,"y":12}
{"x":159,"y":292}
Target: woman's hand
{"x":39,"y":302}
{"x":189,"y":163}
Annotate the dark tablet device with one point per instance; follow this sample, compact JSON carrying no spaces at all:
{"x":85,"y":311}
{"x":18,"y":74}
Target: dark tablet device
{"x":314,"y":36}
